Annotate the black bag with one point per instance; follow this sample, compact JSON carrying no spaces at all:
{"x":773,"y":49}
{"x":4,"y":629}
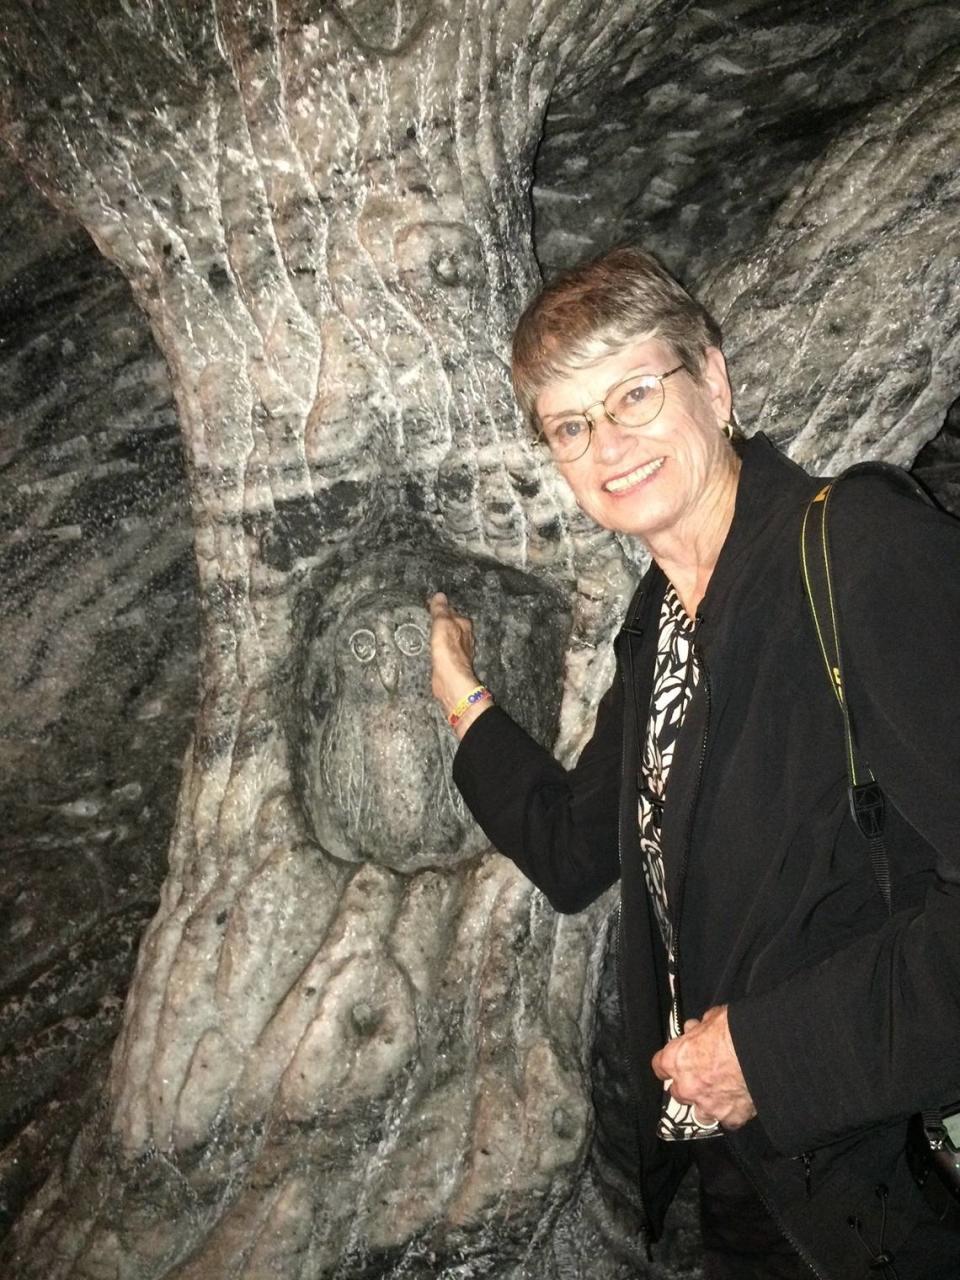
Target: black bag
{"x":934,"y":1136}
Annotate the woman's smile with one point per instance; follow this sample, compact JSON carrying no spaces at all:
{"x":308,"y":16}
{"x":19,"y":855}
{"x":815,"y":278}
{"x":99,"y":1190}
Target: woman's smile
{"x":632,"y":479}
{"x":658,"y":479}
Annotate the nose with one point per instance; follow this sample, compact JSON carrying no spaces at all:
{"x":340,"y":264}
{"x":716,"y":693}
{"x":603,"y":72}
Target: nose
{"x":388,"y":669}
{"x":608,"y":437}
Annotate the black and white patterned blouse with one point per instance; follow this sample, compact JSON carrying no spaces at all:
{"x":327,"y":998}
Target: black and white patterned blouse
{"x":675,"y":677}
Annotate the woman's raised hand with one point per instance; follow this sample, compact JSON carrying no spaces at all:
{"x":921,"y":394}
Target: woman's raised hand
{"x":451,"y":652}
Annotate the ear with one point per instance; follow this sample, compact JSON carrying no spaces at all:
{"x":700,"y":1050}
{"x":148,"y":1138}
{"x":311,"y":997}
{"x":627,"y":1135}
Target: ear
{"x":717,"y":383}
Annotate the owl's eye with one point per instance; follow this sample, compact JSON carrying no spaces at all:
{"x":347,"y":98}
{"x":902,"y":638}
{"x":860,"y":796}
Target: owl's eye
{"x":410,"y":639}
{"x":364,"y":644}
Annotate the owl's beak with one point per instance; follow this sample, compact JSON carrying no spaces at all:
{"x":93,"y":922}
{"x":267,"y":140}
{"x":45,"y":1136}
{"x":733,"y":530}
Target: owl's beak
{"x":388,"y":669}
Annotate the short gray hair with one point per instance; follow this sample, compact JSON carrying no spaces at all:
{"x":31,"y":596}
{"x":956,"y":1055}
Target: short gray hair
{"x":599,"y":307}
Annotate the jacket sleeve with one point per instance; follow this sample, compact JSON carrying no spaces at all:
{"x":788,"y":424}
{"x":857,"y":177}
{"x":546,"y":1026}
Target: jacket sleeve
{"x":560,"y":827}
{"x":872,"y":1033}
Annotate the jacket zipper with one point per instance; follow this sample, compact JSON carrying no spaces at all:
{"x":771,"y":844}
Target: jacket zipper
{"x":806,"y":1159}
{"x":774,"y":1214}
{"x":682,"y":879}
{"x":677,"y":1007}
{"x":646,"y":1227}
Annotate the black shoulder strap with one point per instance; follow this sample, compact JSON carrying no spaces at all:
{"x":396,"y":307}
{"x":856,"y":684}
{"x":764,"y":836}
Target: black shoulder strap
{"x":866,"y":798}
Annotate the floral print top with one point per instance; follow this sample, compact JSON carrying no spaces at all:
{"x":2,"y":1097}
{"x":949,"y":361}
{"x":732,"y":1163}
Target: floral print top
{"x":676,"y":676}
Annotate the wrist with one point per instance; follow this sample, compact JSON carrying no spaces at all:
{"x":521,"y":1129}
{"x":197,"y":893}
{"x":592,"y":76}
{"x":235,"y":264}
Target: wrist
{"x":472,"y":713}
{"x":471,"y":698}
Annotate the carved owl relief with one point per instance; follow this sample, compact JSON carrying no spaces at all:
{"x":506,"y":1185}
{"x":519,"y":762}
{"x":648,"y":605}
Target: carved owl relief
{"x":380,"y":760}
{"x":373,"y":752}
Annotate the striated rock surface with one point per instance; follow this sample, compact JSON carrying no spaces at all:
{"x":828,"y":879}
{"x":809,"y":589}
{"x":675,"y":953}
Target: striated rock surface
{"x":238,"y":446}
{"x":822,"y":359}
{"x":98,"y":630}
{"x":705,"y":120}
{"x":324,"y":1065}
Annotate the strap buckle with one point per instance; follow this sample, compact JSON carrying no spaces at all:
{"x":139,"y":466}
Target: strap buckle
{"x":868,"y":808}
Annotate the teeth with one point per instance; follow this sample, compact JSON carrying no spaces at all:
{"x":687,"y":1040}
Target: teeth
{"x":641,"y":473}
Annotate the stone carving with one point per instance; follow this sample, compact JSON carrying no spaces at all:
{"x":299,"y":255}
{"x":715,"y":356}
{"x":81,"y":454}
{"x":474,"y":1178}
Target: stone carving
{"x":376,"y":752}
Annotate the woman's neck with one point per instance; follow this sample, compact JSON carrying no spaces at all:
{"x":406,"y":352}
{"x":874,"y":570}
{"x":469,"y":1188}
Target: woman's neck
{"x":688,"y":552}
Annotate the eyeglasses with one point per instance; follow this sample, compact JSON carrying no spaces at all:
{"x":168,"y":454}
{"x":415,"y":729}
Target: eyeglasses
{"x":634,"y":401}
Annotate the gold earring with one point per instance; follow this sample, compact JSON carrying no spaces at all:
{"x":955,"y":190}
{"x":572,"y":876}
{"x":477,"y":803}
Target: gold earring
{"x":727,"y":429}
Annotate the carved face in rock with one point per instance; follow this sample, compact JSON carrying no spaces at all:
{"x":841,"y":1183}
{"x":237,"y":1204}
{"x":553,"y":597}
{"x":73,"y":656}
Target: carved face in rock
{"x":373,"y":750}
{"x":383,"y":649}
{"x":378,"y":765}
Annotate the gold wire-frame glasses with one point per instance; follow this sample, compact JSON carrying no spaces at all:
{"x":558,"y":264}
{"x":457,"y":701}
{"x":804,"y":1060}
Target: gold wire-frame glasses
{"x":632,"y":401}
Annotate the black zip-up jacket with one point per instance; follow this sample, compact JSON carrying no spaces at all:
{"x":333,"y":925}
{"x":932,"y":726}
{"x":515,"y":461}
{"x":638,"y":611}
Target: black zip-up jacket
{"x":845,"y":1020}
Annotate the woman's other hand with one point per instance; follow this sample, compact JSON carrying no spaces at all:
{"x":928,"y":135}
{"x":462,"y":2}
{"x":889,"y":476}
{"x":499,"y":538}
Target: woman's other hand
{"x":703,"y":1068}
{"x":451,"y":652}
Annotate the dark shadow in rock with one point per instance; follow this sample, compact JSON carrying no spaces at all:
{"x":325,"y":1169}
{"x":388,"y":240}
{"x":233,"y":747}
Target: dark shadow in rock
{"x":937,"y":465}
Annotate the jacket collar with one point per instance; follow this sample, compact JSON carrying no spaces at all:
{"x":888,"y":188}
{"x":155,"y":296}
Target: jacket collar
{"x":770,"y":492}
{"x":770,"y":489}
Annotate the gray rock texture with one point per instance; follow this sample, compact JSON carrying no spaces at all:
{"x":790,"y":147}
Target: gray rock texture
{"x":257,"y":406}
{"x":822,"y":358}
{"x":709,"y":115}
{"x":98,"y":684}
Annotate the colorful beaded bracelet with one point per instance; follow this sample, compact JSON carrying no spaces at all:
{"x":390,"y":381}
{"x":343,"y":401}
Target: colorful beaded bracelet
{"x":479,"y":694}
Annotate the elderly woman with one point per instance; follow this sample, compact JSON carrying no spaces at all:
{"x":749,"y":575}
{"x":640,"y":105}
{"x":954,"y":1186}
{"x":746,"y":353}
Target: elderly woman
{"x":782,"y":1024}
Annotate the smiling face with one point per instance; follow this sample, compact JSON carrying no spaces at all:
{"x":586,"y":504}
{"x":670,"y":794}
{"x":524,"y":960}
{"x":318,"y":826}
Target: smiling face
{"x":664,"y":478}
